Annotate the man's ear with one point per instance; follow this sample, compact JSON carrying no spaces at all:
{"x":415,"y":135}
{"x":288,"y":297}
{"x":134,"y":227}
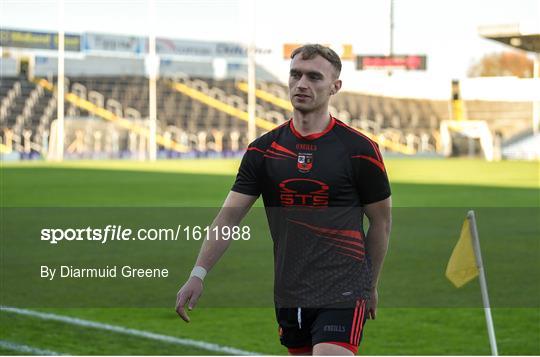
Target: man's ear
{"x":336,"y":86}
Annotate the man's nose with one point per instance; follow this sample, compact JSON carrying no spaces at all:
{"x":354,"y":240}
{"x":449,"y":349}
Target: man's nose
{"x":302,"y":83}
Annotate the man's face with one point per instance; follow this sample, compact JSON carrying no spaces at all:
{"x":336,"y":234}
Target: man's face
{"x":311,"y":83}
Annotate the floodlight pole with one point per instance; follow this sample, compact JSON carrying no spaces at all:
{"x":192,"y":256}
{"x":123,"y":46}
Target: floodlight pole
{"x":536,"y":101}
{"x":391,"y":47}
{"x":60,"y":86}
{"x":252,"y":129}
{"x":152,"y":67}
{"x":391,"y":27}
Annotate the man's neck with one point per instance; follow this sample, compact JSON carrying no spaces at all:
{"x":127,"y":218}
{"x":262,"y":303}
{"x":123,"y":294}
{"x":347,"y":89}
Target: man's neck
{"x":312,"y":122}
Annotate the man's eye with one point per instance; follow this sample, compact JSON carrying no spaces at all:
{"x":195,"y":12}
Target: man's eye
{"x":295,"y":75}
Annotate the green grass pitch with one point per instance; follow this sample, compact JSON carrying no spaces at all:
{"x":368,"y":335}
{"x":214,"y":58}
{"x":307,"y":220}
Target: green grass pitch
{"x":507,"y":192}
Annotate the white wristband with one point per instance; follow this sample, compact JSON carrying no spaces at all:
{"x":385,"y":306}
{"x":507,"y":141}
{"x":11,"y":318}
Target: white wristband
{"x":199,"y":272}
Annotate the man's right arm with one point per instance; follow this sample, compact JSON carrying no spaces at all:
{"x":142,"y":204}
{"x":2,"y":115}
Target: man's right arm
{"x":232,"y":212}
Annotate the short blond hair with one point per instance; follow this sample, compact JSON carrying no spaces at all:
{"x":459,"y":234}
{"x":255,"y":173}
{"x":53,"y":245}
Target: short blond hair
{"x":310,"y":51}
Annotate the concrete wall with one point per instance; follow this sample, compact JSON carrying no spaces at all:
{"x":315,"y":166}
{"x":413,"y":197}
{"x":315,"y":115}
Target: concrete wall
{"x":8,"y":67}
{"x":90,"y":66}
{"x":118,"y":66}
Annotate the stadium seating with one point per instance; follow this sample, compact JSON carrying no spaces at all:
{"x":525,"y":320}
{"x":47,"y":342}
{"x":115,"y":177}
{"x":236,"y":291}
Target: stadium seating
{"x":27,"y":109}
{"x":506,"y":118}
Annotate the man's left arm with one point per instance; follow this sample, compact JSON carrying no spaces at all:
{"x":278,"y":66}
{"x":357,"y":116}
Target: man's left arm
{"x":380,"y":223}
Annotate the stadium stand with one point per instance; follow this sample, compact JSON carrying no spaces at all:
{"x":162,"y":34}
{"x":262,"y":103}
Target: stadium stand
{"x":202,"y":99}
{"x":411,"y":122}
{"x":507,"y":118}
{"x":27,"y":109}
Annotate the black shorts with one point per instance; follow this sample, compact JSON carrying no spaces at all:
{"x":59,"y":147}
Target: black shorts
{"x":301,"y":329}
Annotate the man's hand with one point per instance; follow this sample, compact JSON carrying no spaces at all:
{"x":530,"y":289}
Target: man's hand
{"x":234,"y":208}
{"x":380,"y":221}
{"x":372,"y":304}
{"x":190,"y":292}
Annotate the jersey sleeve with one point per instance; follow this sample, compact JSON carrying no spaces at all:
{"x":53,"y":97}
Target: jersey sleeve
{"x":370,"y":175}
{"x":248,"y":179}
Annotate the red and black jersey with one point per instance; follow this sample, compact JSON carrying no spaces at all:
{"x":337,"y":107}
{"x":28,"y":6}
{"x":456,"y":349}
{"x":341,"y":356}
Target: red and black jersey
{"x":314,"y":188}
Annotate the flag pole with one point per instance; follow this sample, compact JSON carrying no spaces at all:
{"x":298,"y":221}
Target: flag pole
{"x":60,"y":85}
{"x":153,"y":73}
{"x":483,"y":285}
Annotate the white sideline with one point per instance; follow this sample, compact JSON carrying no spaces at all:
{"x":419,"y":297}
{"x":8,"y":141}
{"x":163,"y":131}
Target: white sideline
{"x":129,"y":331}
{"x":12,"y":346}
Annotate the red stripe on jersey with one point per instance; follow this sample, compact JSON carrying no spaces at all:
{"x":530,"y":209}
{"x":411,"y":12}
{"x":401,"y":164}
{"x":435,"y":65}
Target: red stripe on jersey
{"x":277,"y":127}
{"x":315,"y":135}
{"x":377,"y":152}
{"x":360,"y":259}
{"x":278,"y":154}
{"x":273,"y":157}
{"x":282,"y":148}
{"x":379,"y":164}
{"x":334,"y":238}
{"x":357,"y":244}
{"x":376,"y":147}
{"x":357,"y":251}
{"x":344,"y":232}
{"x":255,"y":149}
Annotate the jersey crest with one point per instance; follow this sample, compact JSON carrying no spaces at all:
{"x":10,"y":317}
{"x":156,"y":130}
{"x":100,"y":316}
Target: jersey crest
{"x":305,"y":162}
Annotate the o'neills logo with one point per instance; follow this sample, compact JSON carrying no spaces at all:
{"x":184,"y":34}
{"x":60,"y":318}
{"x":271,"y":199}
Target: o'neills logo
{"x":303,"y":192}
{"x":306,"y":147}
{"x":305,"y":162}
{"x":334,"y":328}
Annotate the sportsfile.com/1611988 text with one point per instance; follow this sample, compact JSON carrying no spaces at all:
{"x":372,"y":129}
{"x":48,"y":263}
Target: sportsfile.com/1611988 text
{"x":122,"y":234}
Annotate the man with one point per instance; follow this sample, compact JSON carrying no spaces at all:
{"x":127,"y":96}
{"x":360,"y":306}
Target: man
{"x":318,"y":177}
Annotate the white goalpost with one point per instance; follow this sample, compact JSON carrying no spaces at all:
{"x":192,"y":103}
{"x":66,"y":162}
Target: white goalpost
{"x":474,"y":129}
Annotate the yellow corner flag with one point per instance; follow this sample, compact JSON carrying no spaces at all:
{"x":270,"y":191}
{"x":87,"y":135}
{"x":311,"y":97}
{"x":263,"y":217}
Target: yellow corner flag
{"x":462,"y":266}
